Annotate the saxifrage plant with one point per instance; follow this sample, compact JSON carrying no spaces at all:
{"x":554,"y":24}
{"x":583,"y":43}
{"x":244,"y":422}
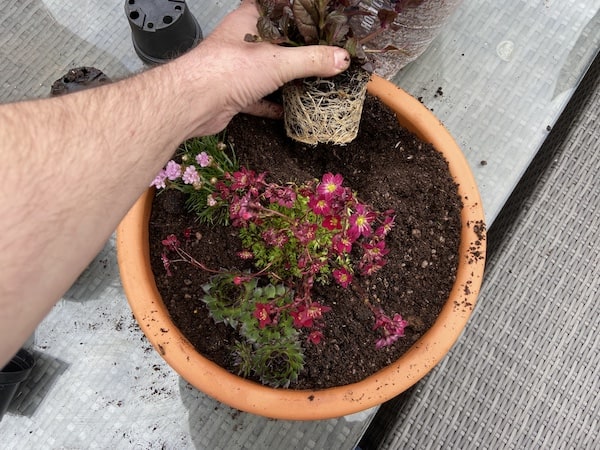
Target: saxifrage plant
{"x":296,"y":236}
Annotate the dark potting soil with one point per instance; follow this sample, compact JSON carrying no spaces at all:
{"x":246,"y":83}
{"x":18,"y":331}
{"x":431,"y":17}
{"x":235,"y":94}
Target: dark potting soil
{"x":390,"y":169}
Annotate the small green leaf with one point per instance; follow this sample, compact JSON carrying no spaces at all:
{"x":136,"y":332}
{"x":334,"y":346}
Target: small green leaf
{"x":270,"y":291}
{"x":280,"y":290}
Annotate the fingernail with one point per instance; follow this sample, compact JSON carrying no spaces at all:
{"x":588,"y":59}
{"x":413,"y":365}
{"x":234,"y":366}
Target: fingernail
{"x":341,"y":59}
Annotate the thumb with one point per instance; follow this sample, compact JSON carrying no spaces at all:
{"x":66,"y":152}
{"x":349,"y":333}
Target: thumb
{"x":312,"y":60}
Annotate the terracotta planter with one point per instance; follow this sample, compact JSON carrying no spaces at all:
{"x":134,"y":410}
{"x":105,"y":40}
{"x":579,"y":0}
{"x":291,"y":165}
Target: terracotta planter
{"x":152,"y":315}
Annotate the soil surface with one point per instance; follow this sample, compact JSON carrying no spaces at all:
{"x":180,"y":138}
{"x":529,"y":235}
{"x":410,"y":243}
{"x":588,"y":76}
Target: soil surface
{"x":389,"y":168}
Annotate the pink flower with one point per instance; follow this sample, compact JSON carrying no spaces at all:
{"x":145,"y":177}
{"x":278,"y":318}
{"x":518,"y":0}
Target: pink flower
{"x":275,"y":238}
{"x":386,"y":226}
{"x":304,"y":316}
{"x":245,"y":254}
{"x":166,"y":263}
{"x":315,"y":337}
{"x":173,"y":170}
{"x":159,"y":181}
{"x":306,"y":232}
{"x":392,"y":329}
{"x":332,"y":223}
{"x":285,"y":196}
{"x":360,"y":222}
{"x":319,"y":205}
{"x":171,"y":242}
{"x":223,"y":190}
{"x":330,"y":186}
{"x":375,"y":251}
{"x":342,"y":276}
{"x":262,"y":312}
{"x":316,"y":266}
{"x":238,"y":280}
{"x":204,"y":159}
{"x":341,"y":244}
{"x":369,"y":268}
{"x":241,"y":210}
{"x":301,"y":319}
{"x":242,"y":179}
{"x":190,"y":176}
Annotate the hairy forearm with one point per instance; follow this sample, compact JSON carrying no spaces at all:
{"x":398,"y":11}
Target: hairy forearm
{"x":73,"y":167}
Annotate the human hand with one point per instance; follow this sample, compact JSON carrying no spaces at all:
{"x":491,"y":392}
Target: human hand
{"x":249,"y":71}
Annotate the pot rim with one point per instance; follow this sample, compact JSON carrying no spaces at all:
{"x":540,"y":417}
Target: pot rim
{"x":150,"y":312}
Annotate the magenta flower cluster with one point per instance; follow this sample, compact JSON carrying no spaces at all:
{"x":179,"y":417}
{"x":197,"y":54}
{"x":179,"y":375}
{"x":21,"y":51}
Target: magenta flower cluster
{"x":309,"y":233}
{"x":296,"y":235}
{"x":321,"y":223}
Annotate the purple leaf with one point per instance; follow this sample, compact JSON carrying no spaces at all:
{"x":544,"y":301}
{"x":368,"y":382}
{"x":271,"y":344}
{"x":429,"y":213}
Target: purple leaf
{"x":268,"y":30}
{"x":307,"y":16}
{"x":336,"y":28}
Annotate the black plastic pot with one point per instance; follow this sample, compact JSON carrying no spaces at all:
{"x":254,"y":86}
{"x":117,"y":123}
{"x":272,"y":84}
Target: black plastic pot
{"x":161,"y":29}
{"x":12,"y":375}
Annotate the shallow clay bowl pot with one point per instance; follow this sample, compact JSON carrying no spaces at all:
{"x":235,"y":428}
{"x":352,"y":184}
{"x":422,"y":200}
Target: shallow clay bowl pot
{"x":153,"y":318}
